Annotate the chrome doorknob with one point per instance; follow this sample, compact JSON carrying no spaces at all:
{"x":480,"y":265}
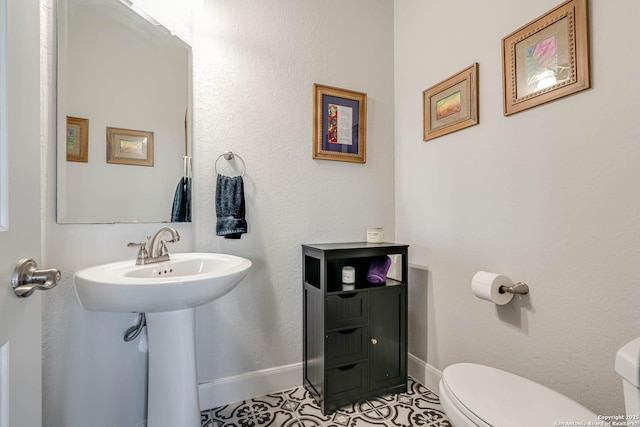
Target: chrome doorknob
{"x":26,"y":278}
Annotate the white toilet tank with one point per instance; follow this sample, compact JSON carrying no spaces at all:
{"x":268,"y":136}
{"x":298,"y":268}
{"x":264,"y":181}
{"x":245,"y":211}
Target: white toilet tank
{"x":628,"y":366}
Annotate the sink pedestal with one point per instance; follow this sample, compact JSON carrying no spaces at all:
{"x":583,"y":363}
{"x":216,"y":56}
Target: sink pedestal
{"x":173,"y":385}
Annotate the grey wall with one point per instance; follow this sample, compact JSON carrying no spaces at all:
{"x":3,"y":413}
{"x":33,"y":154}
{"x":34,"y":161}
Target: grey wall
{"x":546,"y":196}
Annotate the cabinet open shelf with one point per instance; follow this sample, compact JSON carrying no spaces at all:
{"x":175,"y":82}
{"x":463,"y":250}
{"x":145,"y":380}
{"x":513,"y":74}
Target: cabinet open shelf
{"x":366,"y":285}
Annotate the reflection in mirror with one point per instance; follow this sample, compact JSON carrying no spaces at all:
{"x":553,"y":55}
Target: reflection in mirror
{"x":117,"y":70}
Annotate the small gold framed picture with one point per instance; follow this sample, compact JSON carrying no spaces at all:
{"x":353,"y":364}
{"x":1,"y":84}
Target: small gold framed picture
{"x":452,"y":104}
{"x":339,"y":124}
{"x":77,"y":139}
{"x":129,"y":147}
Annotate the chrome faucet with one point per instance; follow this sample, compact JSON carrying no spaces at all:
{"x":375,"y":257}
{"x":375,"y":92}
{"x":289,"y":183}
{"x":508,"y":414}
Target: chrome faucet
{"x":158,"y":251}
{"x":158,"y":246}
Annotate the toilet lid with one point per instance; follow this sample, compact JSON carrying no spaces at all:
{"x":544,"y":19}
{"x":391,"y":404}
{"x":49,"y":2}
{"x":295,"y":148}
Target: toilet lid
{"x":499,"y":398}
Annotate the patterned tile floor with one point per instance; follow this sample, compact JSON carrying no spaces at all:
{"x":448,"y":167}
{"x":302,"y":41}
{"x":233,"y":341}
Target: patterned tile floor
{"x":296,"y":408}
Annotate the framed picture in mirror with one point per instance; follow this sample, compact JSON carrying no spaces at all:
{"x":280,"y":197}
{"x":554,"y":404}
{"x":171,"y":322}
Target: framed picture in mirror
{"x":77,"y":139}
{"x":129,"y":147}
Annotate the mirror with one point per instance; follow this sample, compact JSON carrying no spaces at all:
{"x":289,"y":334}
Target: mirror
{"x":124,"y":85}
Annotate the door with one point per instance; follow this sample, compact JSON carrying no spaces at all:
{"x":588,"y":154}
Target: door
{"x":20,"y":166}
{"x":388,"y":330}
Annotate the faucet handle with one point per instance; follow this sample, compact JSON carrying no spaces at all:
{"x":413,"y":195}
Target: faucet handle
{"x":143,"y":255}
{"x":163,"y":246}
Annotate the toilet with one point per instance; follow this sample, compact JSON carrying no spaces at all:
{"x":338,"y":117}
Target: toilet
{"x":476,"y":395}
{"x":628,"y":367}
{"x":481,"y":396}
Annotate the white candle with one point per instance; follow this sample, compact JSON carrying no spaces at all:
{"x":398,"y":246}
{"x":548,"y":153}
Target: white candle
{"x":375,"y":235}
{"x":348,"y":275}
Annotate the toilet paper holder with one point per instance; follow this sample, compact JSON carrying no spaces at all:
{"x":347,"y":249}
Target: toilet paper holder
{"x":519,"y":288}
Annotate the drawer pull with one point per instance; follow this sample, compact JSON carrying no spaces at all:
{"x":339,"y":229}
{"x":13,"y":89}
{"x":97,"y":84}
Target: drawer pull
{"x":347,"y":368}
{"x":374,"y":341}
{"x":348,"y":331}
{"x":350,"y":295}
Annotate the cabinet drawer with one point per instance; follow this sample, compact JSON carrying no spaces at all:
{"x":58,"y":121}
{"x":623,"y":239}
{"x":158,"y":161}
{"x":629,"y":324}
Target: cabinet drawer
{"x":346,"y":346}
{"x":347,"y":382}
{"x":347,"y":310}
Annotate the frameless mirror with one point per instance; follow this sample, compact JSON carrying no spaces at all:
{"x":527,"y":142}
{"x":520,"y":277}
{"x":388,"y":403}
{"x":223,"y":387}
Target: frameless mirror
{"x":123,"y":119}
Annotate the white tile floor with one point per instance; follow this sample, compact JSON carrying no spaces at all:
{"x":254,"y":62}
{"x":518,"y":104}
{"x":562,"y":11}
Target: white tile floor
{"x":295,"y":408}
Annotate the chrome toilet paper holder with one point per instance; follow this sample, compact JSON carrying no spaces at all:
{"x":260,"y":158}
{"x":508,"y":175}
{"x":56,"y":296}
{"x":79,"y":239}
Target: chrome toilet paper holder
{"x":519,"y":288}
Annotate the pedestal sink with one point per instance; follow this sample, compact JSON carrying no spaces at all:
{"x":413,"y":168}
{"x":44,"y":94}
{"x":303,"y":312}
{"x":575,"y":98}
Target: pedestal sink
{"x":168,"y":293}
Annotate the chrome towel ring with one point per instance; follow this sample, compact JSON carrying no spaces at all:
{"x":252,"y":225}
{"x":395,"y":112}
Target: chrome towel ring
{"x":230,"y":155}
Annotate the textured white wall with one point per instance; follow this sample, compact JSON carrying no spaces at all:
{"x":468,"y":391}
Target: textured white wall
{"x":255,"y":63}
{"x":546,"y":196}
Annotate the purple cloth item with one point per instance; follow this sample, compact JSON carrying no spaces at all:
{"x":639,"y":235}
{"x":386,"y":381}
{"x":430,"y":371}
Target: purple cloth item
{"x":378,"y":269}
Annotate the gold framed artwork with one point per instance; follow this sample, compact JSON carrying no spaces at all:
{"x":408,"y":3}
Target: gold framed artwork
{"x":77,"y":139}
{"x":452,"y":104}
{"x":339,"y":124}
{"x":546,"y":59}
{"x":129,"y":147}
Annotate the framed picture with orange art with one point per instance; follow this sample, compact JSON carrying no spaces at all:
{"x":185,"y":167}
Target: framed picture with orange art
{"x":452,"y":104}
{"x":546,"y":59}
{"x":129,"y":147}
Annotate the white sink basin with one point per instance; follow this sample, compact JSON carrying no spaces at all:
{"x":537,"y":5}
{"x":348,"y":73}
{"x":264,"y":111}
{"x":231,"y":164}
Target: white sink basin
{"x":186,"y":281}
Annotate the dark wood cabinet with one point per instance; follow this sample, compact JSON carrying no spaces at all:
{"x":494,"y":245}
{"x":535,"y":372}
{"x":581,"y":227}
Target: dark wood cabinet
{"x":355,"y":341}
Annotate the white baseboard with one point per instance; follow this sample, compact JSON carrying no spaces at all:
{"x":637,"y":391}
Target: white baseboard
{"x":424,"y":373}
{"x":250,"y":384}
